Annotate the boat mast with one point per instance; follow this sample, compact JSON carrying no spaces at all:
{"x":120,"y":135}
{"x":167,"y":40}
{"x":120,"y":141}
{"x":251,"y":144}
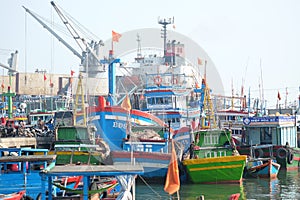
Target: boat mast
{"x":165,"y":22}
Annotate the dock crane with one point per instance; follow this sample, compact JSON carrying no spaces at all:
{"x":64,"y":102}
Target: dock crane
{"x":12,"y":68}
{"x":89,"y":57}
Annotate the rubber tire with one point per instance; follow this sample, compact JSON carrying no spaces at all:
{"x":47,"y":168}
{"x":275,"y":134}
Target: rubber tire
{"x":290,"y":158}
{"x":260,"y":153}
{"x":280,"y":151}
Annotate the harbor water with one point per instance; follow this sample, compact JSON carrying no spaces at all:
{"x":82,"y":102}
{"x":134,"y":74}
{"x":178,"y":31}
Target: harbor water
{"x":286,"y":186}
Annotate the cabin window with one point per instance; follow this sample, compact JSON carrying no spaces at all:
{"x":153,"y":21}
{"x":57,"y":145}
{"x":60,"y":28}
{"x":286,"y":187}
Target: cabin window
{"x":211,"y":139}
{"x":266,"y":135}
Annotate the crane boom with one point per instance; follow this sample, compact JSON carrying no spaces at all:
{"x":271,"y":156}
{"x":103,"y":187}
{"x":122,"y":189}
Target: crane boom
{"x":79,"y":40}
{"x":7,"y":67}
{"x":53,"y":33}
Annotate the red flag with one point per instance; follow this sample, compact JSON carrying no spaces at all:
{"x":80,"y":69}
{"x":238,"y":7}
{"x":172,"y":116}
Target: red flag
{"x":45,"y":77}
{"x":172,"y":183}
{"x":278,"y":96}
{"x":2,"y":85}
{"x":72,"y":72}
{"x":115,"y":36}
{"x":199,"y":61}
{"x":126,"y":103}
{"x":51,"y":84}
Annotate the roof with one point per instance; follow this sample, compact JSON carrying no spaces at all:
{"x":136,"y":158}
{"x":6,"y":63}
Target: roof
{"x":98,"y":170}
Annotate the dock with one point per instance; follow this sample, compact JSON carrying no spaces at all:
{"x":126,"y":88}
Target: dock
{"x":17,"y":142}
{"x":125,"y":172}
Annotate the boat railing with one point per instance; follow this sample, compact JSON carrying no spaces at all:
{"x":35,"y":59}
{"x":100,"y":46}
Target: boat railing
{"x":72,"y":147}
{"x":24,"y":163}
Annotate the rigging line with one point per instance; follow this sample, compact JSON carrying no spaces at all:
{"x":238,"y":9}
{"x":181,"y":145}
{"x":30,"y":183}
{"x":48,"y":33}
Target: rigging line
{"x":150,"y":186}
{"x":57,"y":26}
{"x":25,"y":53}
{"x":79,"y":25}
{"x":6,"y":50}
{"x":52,"y":43}
{"x":244,"y":78}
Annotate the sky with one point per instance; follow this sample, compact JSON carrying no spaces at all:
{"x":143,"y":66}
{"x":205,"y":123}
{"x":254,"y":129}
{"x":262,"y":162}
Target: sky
{"x":254,"y":43}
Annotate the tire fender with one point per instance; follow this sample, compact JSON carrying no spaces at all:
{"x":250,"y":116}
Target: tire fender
{"x":281,"y":153}
{"x":290,"y":157}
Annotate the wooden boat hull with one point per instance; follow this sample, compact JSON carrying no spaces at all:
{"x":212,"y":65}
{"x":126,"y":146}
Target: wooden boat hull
{"x":226,"y":169}
{"x":13,"y":196}
{"x":268,"y":169}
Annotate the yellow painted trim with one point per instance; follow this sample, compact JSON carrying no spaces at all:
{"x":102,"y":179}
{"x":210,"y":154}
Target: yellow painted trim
{"x":76,"y":153}
{"x":215,"y":167}
{"x":215,"y":159}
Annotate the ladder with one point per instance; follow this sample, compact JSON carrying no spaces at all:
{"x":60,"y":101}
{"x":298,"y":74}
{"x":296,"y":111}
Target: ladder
{"x":79,"y":107}
{"x":208,"y":110}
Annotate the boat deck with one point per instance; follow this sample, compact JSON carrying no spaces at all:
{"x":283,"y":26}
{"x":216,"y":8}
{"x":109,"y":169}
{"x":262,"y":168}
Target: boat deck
{"x":100,"y":170}
{"x":29,"y":158}
{"x":87,"y":171}
{"x":18,"y":142}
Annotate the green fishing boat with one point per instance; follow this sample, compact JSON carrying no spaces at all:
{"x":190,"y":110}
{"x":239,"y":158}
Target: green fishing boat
{"x":75,"y":145}
{"x":213,"y":158}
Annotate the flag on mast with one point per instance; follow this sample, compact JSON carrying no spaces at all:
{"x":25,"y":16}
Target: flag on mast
{"x":278,"y":96}
{"x":199,"y":61}
{"x":115,"y":36}
{"x":172,"y":183}
{"x":45,"y":77}
{"x":126,"y":103}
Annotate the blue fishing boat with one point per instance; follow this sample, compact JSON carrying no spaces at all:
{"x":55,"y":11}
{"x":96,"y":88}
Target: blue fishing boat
{"x":20,"y":170}
{"x":266,"y":167}
{"x":124,"y":174}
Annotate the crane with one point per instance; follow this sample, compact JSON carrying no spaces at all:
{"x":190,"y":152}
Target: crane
{"x":89,"y":58}
{"x":12,"y":68}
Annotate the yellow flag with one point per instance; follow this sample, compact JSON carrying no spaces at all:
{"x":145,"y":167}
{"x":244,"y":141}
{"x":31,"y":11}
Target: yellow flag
{"x":126,"y":103}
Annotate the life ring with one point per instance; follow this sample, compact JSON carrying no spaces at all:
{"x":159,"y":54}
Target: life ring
{"x":258,"y":153}
{"x":281,"y":153}
{"x":157,"y":80}
{"x":290,"y":157}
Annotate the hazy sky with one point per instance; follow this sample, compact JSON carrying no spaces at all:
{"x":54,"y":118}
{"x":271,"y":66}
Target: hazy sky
{"x":246,"y":40}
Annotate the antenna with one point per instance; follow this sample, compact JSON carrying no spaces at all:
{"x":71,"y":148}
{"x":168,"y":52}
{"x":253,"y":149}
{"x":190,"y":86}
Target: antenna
{"x":139,"y":49}
{"x":164,"y":22}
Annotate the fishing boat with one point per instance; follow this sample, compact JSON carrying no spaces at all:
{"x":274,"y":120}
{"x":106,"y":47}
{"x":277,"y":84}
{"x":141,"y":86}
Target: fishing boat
{"x":214,"y":159}
{"x":36,"y":116}
{"x":278,"y":131}
{"x":13,"y":196}
{"x":124,"y":174}
{"x":20,"y":171}
{"x":153,"y":154}
{"x":76,"y":145}
{"x":72,"y":186}
{"x":261,"y":167}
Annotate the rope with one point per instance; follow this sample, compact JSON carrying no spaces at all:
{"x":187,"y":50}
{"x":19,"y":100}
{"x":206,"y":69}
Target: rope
{"x":150,"y":187}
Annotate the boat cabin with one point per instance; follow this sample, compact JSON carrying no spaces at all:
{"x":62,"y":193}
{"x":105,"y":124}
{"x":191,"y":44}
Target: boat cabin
{"x":276,"y":130}
{"x":19,"y":170}
{"x":36,"y":116}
